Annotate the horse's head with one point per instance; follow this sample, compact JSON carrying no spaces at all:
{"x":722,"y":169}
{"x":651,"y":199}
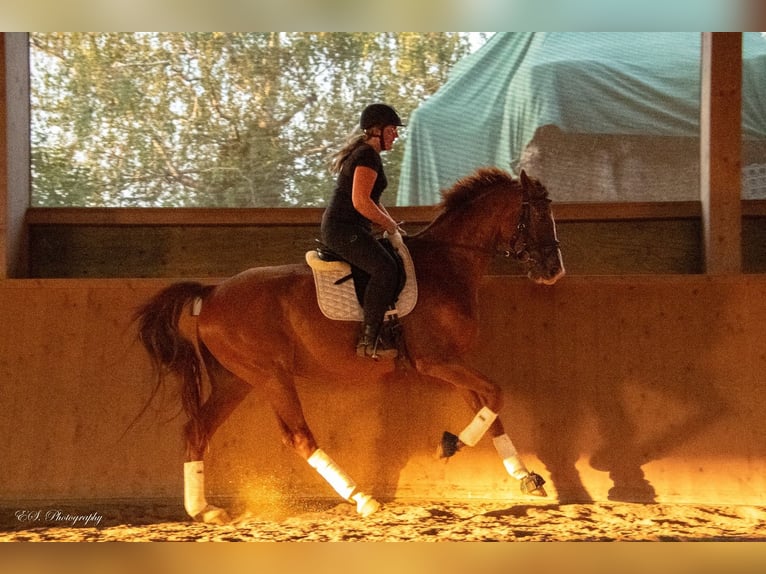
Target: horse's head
{"x":482,"y":214}
{"x":535,"y":243}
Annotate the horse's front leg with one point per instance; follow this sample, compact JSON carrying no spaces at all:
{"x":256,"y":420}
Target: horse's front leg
{"x":485,"y":397}
{"x":529,"y":482}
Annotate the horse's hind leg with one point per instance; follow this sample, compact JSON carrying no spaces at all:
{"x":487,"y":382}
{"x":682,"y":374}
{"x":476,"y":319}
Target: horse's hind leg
{"x":342,"y":483}
{"x":226,"y":392}
{"x":296,"y":433}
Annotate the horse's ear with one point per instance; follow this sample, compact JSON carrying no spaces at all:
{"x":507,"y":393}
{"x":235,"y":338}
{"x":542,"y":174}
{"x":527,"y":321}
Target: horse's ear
{"x":525,"y":179}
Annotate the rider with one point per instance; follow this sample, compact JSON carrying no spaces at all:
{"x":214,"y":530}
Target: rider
{"x":354,"y":207}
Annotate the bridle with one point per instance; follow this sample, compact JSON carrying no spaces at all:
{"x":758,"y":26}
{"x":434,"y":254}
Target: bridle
{"x":520,"y":245}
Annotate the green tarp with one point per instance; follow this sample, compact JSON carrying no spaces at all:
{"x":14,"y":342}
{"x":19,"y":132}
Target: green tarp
{"x":586,"y":83}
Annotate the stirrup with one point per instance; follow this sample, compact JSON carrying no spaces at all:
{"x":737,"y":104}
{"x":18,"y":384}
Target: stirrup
{"x":373,"y":350}
{"x":372,"y":345}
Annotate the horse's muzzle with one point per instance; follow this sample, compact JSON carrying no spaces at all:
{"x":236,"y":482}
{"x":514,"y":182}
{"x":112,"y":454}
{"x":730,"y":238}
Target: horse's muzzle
{"x":549,"y":274}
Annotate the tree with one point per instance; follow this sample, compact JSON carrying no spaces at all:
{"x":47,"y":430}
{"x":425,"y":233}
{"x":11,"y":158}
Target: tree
{"x":215,"y":119}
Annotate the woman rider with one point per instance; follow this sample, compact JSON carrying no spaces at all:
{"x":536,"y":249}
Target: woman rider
{"x":354,"y":207}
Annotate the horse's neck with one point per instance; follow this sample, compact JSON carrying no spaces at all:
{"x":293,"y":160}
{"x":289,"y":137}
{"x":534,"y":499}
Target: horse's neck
{"x":458,"y":246}
{"x":452,"y":254}
{"x":469,"y":238}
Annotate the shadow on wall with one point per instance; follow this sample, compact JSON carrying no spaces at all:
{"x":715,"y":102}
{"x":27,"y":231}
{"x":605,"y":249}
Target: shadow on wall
{"x":622,"y":374}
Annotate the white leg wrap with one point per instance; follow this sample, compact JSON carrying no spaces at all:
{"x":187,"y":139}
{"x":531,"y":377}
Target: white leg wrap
{"x":510,"y":456}
{"x":365,"y":504}
{"x":472,"y":434}
{"x":332,"y":473}
{"x":194,"y":487}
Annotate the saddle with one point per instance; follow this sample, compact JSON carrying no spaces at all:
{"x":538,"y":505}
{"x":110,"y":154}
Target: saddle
{"x":340,"y":286}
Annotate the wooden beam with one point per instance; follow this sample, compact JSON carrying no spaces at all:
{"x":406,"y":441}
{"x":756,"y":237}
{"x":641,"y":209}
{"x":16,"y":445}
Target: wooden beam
{"x":302,"y":216}
{"x":14,"y":153}
{"x":720,"y":151}
{"x":3,"y":164}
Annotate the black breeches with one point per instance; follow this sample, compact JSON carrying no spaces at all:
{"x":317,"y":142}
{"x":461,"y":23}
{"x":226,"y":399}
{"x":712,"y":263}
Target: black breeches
{"x":357,"y":246}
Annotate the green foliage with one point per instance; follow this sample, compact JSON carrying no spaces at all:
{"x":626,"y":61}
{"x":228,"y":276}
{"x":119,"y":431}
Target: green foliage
{"x":215,"y":119}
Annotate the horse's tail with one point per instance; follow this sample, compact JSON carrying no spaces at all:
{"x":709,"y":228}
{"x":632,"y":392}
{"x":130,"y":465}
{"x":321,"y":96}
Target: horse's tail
{"x":170,"y":352}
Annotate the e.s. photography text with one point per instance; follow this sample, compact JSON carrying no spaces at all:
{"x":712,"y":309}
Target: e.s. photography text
{"x":58,"y":516}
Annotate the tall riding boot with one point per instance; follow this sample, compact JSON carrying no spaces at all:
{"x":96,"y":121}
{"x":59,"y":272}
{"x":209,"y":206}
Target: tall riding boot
{"x":371,"y":345}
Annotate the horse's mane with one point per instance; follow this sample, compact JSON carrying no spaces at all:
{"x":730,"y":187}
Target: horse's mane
{"x":470,"y":187}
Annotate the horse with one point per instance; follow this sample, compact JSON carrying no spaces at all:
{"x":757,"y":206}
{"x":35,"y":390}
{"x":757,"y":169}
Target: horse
{"x":263,"y":328}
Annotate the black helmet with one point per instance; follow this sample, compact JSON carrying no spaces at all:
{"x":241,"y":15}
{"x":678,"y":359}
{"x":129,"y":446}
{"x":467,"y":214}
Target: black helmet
{"x":379,"y":115}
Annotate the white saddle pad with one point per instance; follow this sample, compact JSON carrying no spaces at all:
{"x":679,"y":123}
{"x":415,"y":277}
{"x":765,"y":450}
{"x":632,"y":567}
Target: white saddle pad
{"x":339,"y":302}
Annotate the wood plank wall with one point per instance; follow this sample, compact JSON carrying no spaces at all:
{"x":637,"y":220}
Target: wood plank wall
{"x":589,"y":248}
{"x":635,"y":388}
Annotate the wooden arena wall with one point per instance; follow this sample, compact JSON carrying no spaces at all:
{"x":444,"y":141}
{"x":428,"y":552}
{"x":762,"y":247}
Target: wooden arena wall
{"x":646,"y":388}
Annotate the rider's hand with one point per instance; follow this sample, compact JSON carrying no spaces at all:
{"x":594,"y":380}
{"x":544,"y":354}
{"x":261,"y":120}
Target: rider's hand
{"x":395,"y":238}
{"x":397,"y":228}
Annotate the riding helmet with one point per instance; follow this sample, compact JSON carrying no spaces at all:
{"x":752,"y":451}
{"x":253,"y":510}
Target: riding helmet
{"x":379,"y":115}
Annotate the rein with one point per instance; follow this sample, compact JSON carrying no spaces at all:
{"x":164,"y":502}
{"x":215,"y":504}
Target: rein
{"x":477,"y":249}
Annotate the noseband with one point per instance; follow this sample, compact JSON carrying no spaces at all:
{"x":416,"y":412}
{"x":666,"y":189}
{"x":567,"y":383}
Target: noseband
{"x":520,"y":244}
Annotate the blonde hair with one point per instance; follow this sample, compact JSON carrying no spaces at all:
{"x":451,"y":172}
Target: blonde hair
{"x":354,"y":140}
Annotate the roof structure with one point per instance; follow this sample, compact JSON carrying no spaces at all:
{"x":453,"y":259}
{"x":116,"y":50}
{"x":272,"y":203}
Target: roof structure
{"x":583,"y":83}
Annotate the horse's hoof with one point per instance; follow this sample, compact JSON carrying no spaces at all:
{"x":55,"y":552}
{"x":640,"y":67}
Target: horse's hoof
{"x":533,"y":484}
{"x":365,"y":504}
{"x":213,"y":515}
{"x":450,"y":444}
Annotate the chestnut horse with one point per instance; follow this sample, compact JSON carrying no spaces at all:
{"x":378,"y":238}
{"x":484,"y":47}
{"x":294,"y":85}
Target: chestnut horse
{"x":263,"y":327}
